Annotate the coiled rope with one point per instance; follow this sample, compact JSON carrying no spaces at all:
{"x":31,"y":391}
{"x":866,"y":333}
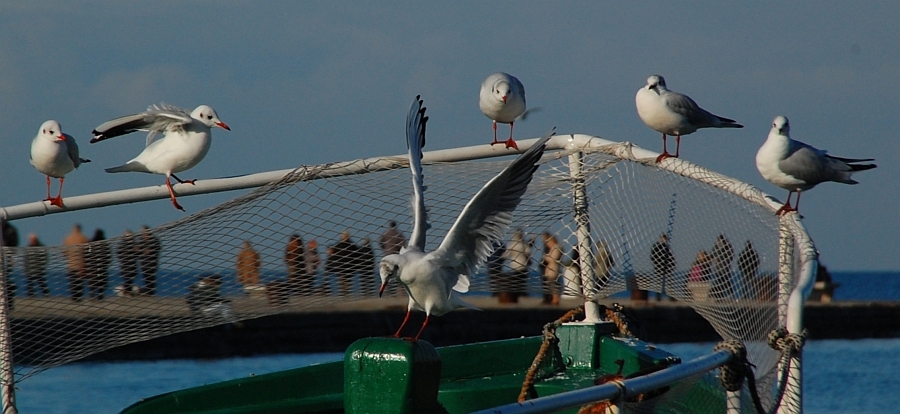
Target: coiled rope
{"x":550,"y":339}
{"x":734,"y":373}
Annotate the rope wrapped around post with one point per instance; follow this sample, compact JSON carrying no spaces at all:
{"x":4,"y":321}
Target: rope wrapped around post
{"x":549,"y":339}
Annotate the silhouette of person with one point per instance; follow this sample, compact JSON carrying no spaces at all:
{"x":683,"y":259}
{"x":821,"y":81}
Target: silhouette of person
{"x":127,"y":254}
{"x":98,"y":257}
{"x":391,"y":241}
{"x":149,"y":248}
{"x":518,"y":257}
{"x":295,"y":260}
{"x":345,"y":259}
{"x":663,"y":262}
{"x":35,"y":266}
{"x":748,"y":264}
{"x":248,"y":264}
{"x":74,"y":252}
{"x":550,"y":263}
{"x":722,"y":256}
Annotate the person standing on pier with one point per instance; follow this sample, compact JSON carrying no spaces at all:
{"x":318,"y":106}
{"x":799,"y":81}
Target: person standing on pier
{"x":75,"y":261}
{"x":295,"y":261}
{"x":97,"y":259}
{"x":248,"y":264}
{"x":663,"y":263}
{"x":748,"y":264}
{"x":35,"y":268}
{"x":722,"y":255}
{"x":128,"y":262}
{"x":148,"y":247}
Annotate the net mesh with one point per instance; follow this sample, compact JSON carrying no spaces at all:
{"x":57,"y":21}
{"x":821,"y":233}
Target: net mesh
{"x":314,"y":238}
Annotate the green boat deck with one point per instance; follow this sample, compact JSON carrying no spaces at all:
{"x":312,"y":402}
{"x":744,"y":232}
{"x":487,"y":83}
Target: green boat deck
{"x":468,"y":377}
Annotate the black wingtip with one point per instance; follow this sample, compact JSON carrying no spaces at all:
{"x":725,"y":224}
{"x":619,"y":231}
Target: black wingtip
{"x":97,"y":136}
{"x":84,"y":160}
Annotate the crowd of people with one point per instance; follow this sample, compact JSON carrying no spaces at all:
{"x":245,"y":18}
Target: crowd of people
{"x":88,"y":263}
{"x":349,"y":268}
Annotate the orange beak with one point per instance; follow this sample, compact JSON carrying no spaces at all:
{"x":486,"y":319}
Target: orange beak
{"x":504,"y":98}
{"x":223,"y":125}
{"x":380,"y":291}
{"x":61,"y":137}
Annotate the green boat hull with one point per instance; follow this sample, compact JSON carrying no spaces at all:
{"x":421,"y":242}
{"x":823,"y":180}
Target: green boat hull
{"x":471,"y":377}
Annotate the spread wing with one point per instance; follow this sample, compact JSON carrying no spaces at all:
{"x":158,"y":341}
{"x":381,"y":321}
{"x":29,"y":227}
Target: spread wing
{"x":486,"y":217}
{"x":415,"y":140}
{"x":156,"y":119}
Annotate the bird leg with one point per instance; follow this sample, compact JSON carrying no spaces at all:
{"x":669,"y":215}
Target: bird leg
{"x":406,"y":319}
{"x":677,"y":144}
{"x":48,"y":189}
{"x":180,"y":181}
{"x":58,"y":200}
{"x":786,"y":208}
{"x":424,"y":324}
{"x":172,"y":194}
{"x":665,"y":154}
{"x":495,"y":135}
{"x":510,"y":143}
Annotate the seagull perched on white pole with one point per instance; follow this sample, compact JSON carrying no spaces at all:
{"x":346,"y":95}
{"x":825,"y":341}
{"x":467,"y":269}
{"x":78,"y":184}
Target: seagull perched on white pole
{"x":434,"y":279}
{"x":673,"y":113}
{"x":796,"y":166}
{"x":54,"y":154}
{"x":502,"y":99}
{"x":187,"y":138}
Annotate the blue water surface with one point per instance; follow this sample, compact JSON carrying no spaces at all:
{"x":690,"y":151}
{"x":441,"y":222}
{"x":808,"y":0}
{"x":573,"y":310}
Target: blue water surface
{"x":840,"y":376}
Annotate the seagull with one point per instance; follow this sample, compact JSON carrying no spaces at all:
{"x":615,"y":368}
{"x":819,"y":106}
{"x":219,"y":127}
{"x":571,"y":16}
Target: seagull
{"x":672,"y":113}
{"x":434,"y":279}
{"x":186,"y":140}
{"x":796,"y":166}
{"x":502,"y":99}
{"x":54,"y":154}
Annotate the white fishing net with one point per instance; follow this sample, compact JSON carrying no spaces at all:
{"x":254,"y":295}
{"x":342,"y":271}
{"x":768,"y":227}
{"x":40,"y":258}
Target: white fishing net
{"x":683,"y":233}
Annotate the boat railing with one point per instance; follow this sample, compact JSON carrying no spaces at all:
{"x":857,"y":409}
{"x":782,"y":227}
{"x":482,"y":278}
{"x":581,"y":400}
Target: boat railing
{"x":617,"y":391}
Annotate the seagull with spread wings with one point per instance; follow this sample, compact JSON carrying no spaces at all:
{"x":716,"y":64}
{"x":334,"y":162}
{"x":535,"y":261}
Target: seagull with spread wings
{"x":435,"y":279}
{"x":186,"y":139}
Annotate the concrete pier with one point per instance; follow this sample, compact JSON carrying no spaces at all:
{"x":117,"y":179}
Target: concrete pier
{"x":333,"y":328}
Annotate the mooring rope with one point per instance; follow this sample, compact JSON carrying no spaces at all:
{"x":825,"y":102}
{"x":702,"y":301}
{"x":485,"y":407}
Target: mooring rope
{"x":734,"y":373}
{"x":549,"y":339}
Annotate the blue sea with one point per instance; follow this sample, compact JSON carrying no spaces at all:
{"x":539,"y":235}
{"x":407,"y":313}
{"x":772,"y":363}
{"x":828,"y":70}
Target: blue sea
{"x":840,"y":375}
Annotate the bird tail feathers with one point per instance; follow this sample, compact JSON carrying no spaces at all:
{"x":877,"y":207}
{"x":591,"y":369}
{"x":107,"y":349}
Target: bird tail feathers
{"x":132,"y":166}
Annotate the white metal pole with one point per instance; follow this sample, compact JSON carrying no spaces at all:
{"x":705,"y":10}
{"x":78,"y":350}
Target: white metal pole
{"x":583,"y":234}
{"x":7,"y":372}
{"x":733,"y":402}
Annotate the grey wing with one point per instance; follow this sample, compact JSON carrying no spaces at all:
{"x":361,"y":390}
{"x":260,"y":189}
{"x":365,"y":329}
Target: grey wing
{"x":72,"y":148}
{"x":486,"y":217}
{"x":156,"y":119}
{"x":518,"y":87}
{"x":415,"y":140}
{"x":810,"y":164}
{"x":685,"y":106}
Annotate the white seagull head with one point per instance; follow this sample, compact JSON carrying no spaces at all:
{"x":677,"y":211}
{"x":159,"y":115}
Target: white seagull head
{"x":208,"y":116}
{"x":656,"y":83}
{"x":781,"y":126}
{"x":51,"y":130}
{"x":389,"y":269}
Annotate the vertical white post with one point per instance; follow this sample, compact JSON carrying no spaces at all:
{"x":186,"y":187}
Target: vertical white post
{"x":790,"y":403}
{"x":733,"y":402}
{"x":7,"y":374}
{"x":583,"y":234}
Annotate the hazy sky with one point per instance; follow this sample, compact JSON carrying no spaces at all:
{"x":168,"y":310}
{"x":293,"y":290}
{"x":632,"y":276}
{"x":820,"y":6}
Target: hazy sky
{"x":308,"y":83}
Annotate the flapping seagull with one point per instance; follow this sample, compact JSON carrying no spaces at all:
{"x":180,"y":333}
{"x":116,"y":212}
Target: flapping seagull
{"x":434,"y":279}
{"x":186,"y":140}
